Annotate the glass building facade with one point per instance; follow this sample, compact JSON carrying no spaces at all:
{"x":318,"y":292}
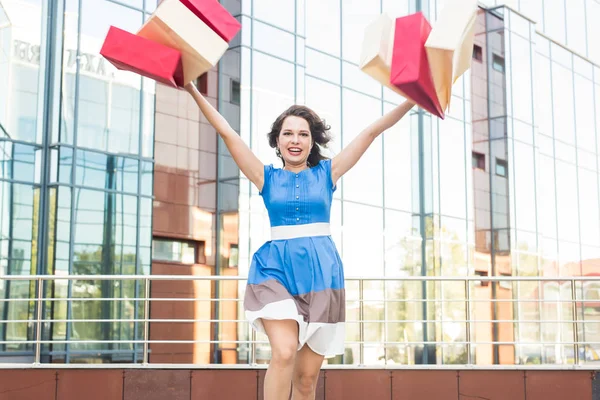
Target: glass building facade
{"x":104,"y":172}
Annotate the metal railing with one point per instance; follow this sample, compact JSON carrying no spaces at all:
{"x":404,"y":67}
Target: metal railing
{"x":575,"y":331}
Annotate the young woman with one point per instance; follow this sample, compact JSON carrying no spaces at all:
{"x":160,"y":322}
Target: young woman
{"x":295,"y":291}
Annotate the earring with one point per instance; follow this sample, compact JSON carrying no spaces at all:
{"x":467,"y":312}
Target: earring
{"x":278,"y":152}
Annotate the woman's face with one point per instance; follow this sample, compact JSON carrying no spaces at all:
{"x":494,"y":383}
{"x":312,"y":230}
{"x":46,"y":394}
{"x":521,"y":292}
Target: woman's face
{"x":295,"y":141}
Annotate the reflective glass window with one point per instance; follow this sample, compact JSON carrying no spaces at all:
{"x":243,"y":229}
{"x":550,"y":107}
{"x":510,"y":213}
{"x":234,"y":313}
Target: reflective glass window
{"x":589,"y":207}
{"x":584,"y":113}
{"x":543,"y":95}
{"x":400,"y":164}
{"x":273,"y":41}
{"x":273,"y":92}
{"x":525,"y":187}
{"x":592,"y":10}
{"x":521,"y":78}
{"x":323,"y":26}
{"x":19,"y":213}
{"x":324,"y":98}
{"x":104,"y":171}
{"x":362,"y":240}
{"x":363,"y":183}
{"x":323,"y":66}
{"x":567,"y":203}
{"x":562,"y":87}
{"x":174,"y":251}
{"x":554,"y":19}
{"x":452,"y":160}
{"x":277,"y":12}
{"x":576,"y":34}
{"x":356,"y":15}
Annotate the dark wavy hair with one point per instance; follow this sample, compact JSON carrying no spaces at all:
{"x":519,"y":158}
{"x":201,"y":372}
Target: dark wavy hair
{"x":319,"y":131}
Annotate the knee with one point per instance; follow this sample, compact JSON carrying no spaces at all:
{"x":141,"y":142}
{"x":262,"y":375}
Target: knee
{"x":283,"y":355}
{"x":305,"y":383}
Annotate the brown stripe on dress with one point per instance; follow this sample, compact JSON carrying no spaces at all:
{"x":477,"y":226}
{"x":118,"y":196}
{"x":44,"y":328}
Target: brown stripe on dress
{"x":325,"y":306}
{"x":259,"y":295}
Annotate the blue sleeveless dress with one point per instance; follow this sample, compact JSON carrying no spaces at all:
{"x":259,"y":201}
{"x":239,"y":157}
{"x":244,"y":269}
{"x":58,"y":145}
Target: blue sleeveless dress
{"x":298,"y":274}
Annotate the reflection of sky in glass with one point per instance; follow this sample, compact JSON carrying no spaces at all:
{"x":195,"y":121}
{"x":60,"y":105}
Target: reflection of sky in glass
{"x":356,"y":15}
{"x":277,"y":12}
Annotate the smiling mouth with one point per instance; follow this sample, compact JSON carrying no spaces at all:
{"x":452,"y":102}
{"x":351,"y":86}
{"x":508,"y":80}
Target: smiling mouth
{"x":294,"y":151}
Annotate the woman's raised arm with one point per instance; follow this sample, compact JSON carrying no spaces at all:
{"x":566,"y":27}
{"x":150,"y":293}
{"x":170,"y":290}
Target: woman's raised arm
{"x":243,"y":156}
{"x":350,"y":154}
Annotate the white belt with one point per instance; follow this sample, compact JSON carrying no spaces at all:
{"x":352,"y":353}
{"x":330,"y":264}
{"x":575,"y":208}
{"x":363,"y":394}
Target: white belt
{"x":296,"y":231}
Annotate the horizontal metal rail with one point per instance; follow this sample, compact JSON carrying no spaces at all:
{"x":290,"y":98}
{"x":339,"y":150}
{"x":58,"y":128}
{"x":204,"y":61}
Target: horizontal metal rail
{"x":567,"y":323}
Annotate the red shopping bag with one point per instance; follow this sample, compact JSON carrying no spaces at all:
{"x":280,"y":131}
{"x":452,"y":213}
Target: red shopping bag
{"x":130,"y":52}
{"x":213,"y":14}
{"x":410,"y":66}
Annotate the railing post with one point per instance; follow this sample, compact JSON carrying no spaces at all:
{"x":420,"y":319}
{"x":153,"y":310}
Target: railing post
{"x":468,"y":315}
{"x":575,"y":330}
{"x":38,"y":330}
{"x":146,"y":318}
{"x":361,"y":318}
{"x":253,"y":347}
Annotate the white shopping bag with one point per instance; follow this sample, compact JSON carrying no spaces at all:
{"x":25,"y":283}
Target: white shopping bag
{"x":173,"y":24}
{"x":377,"y":51}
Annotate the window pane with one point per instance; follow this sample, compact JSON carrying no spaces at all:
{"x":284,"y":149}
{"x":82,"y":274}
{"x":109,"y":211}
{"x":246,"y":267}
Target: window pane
{"x":452,"y":168}
{"x":356,"y":15}
{"x":589,"y":208}
{"x":592,"y":11}
{"x":554,"y":19}
{"x":576,"y":35}
{"x":562,"y":86}
{"x":276,"y":12}
{"x":105,"y":231}
{"x":363,"y":240}
{"x":524,"y":187}
{"x":273,"y":92}
{"x":104,"y":171}
{"x":363,"y":183}
{"x":124,"y":128}
{"x":274,"y":41}
{"x":354,"y":78}
{"x":147,"y":178}
{"x":597,"y":99}
{"x":543,"y":99}
{"x":402,"y":244}
{"x":324,"y":99}
{"x":20,"y":53}
{"x":546,"y":191}
{"x":145,"y":229}
{"x":396,"y":8}
{"x":568,"y":221}
{"x":522,"y":84}
{"x":109,"y":99}
{"x":323,"y":26}
{"x":18,"y":162}
{"x":148,"y":118}
{"x":18,"y":216}
{"x":172,"y":250}
{"x":400,"y":164}
{"x":105,"y":243}
{"x":584,"y":113}
{"x":323,"y":66}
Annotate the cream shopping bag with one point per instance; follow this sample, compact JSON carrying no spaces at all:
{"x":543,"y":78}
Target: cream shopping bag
{"x":377,"y":51}
{"x":450,"y":46}
{"x":173,"y":24}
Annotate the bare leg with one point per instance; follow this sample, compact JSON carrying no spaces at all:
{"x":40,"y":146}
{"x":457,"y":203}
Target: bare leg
{"x":306,"y":374}
{"x":283,"y":337}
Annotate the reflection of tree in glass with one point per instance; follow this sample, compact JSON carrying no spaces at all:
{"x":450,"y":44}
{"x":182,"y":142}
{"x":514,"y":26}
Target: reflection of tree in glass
{"x":446,"y":255}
